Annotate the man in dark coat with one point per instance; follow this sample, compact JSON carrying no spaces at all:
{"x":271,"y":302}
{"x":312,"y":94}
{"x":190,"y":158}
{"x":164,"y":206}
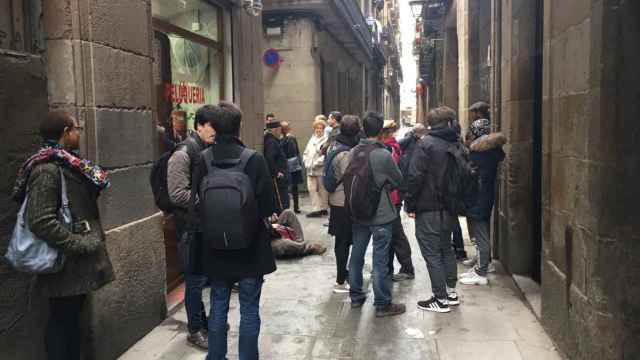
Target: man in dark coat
{"x":246,"y":267}
{"x":277,"y":163}
{"x":485,"y":154}
{"x":434,"y":223}
{"x":294,"y":163}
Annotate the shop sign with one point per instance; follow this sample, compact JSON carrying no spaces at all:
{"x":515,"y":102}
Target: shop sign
{"x":183,"y":93}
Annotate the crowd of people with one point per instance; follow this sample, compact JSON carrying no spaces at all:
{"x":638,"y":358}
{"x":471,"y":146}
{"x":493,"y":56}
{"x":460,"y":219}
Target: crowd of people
{"x":231,"y":207}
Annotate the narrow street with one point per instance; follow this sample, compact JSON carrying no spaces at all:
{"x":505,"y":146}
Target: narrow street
{"x":303,"y":319}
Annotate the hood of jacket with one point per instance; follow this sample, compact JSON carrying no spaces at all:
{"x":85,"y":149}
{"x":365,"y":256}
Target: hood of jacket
{"x":488,"y":142}
{"x":444,"y":132}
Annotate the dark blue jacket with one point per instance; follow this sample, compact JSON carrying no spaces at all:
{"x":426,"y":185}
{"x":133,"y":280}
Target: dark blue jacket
{"x":485,"y":154}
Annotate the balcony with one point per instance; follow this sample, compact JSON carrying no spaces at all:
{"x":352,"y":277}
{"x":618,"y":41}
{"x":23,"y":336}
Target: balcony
{"x":343,"y":19}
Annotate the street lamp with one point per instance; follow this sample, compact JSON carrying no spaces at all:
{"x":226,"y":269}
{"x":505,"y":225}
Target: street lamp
{"x":416,"y":7}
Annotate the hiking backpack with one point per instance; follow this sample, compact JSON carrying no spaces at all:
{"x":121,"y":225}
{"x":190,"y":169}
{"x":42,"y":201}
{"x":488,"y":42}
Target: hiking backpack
{"x":228,"y":207}
{"x":159,"y":174}
{"x":329,"y":178}
{"x":362,"y":196}
{"x":459,"y":188}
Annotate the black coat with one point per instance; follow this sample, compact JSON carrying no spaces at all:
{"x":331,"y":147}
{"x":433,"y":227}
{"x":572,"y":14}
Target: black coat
{"x":486,"y":153}
{"x":257,"y":260}
{"x":291,"y":149}
{"x":407,"y":145}
{"x":426,"y":169}
{"x":276,"y":159}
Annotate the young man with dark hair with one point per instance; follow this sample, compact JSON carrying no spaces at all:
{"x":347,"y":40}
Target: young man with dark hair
{"x":245,"y":266}
{"x":385,"y":177}
{"x":339,"y":220}
{"x":423,"y":202}
{"x":332,"y":130}
{"x":179,"y":185}
{"x":270,"y":117}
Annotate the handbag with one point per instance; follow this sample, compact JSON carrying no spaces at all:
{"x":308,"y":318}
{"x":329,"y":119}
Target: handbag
{"x":293,"y":164}
{"x":30,"y":254}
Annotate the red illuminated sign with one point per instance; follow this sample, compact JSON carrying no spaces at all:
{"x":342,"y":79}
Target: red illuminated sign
{"x":184,"y":93}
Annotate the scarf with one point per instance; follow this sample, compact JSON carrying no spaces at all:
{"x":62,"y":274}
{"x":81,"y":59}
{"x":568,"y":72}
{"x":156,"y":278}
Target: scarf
{"x":53,"y":152}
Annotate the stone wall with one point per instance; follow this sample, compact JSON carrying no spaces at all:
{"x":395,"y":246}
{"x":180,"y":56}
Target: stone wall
{"x":591,"y":257}
{"x":316,"y":76}
{"x":293,"y":91}
{"x":103,"y":77}
{"x":23,"y":102}
{"x":515,"y":209}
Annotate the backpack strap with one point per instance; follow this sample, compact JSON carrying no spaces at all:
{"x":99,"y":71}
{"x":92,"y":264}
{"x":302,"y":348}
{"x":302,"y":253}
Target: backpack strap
{"x":245,"y":156}
{"x":209,"y":159}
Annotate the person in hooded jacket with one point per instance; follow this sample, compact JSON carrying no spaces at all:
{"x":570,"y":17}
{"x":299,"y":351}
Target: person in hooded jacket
{"x":399,"y":243}
{"x":434,"y":223}
{"x":486,"y":154}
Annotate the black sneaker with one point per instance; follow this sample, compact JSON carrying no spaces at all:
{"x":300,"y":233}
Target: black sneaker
{"x":391,"y":310}
{"x":402,"y":276}
{"x":434,"y":305}
{"x":198,"y":339}
{"x":453,"y":299}
{"x":324,"y":212}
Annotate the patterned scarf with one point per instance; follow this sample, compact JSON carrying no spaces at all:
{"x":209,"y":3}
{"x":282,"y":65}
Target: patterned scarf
{"x":55,"y":152}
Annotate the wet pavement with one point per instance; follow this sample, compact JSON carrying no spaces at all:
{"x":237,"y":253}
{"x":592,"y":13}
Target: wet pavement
{"x":303,"y":319}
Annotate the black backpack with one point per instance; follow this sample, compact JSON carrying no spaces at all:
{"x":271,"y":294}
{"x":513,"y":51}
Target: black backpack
{"x":362,"y":196}
{"x":458,"y":190}
{"x":228,"y":207}
{"x":159,"y":174}
{"x":329,"y":178}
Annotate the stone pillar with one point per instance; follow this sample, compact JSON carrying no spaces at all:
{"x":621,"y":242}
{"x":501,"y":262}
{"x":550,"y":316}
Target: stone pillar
{"x":518,"y":49}
{"x":99,"y":65}
{"x":590,"y":278}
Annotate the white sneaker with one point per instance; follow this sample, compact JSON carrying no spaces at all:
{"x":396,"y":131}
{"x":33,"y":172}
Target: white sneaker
{"x":474,"y":279}
{"x":468,"y":273}
{"x":470,"y":262}
{"x":341,"y":289}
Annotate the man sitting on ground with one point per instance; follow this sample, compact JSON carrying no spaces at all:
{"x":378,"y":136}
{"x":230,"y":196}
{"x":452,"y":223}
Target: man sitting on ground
{"x":287,"y":238}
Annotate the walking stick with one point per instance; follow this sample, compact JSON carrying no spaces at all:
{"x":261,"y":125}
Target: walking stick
{"x":275,"y":185}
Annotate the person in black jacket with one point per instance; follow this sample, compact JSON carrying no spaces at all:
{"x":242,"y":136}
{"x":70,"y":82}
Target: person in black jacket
{"x":294,"y":163}
{"x":245,"y":267}
{"x":277,"y":163}
{"x":485,"y":154}
{"x":434,"y":224}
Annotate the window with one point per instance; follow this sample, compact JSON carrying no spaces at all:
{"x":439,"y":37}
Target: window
{"x":189,"y":50}
{"x":21,"y":25}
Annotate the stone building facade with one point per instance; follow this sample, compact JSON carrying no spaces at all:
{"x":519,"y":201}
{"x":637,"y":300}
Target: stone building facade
{"x":562,"y":86}
{"x":330,"y":57}
{"x":389,"y":19}
{"x":109,"y":64}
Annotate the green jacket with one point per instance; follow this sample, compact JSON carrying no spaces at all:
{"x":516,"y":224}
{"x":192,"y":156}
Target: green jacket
{"x":87,"y":266}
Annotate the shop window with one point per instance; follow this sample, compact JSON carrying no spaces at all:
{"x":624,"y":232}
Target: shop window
{"x":189,"y":51}
{"x":21,"y":26}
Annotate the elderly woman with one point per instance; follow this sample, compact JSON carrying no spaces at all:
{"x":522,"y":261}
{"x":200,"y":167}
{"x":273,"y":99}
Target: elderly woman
{"x":314,"y":164}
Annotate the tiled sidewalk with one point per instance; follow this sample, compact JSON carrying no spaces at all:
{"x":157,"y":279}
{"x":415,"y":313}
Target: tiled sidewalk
{"x":303,"y":319}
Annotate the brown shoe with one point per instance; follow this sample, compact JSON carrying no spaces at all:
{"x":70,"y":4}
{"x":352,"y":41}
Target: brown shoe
{"x":391,"y":310}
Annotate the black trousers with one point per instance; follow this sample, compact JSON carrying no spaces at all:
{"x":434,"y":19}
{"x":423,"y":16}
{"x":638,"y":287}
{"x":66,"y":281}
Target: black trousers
{"x":340,"y":227}
{"x":458,"y":243}
{"x":296,"y":197}
{"x":400,"y":247}
{"x":62,"y":335}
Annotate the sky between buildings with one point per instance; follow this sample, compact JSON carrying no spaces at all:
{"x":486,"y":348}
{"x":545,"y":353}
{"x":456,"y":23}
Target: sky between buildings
{"x":407,"y":61}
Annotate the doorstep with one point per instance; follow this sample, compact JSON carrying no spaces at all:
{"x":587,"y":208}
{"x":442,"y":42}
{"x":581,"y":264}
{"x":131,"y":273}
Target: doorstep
{"x":532,"y":293}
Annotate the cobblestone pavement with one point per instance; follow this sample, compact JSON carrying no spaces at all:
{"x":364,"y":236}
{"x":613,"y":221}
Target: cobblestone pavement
{"x":303,"y":319}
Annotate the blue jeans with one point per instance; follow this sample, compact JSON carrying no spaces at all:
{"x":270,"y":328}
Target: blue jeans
{"x":381,"y":278}
{"x":250,"y":290}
